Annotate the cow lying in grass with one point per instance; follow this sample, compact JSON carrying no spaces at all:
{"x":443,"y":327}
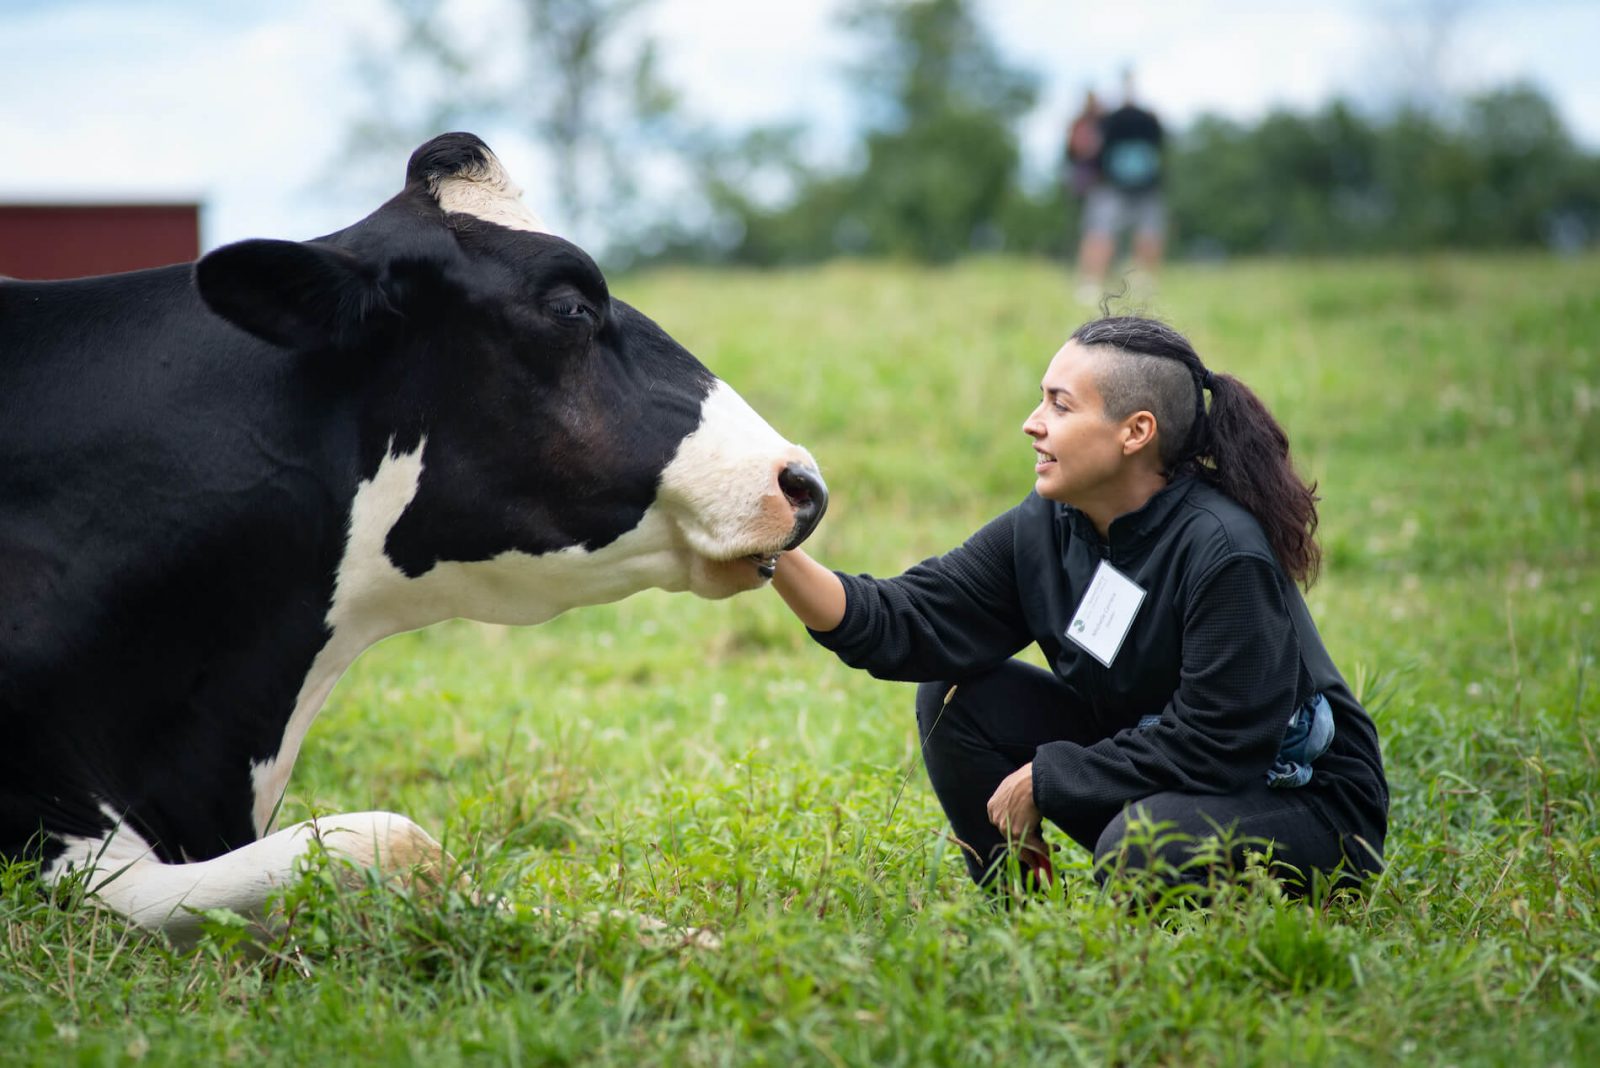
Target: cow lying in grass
{"x":219,"y":483}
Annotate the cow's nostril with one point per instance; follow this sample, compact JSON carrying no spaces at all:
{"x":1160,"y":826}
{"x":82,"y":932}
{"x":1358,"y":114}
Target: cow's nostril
{"x":807,"y":495}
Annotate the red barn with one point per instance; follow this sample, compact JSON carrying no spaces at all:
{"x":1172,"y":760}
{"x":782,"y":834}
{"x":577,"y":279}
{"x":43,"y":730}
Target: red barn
{"x":71,"y":240}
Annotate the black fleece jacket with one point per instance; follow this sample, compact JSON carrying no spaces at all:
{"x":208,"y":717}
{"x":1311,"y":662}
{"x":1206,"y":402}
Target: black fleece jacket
{"x":1222,"y":649}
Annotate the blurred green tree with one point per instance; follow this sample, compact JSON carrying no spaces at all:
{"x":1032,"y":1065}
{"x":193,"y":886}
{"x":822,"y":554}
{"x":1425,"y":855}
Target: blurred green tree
{"x":937,"y":172}
{"x":1500,"y":170}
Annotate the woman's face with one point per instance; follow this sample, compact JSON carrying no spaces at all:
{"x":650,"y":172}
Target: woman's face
{"x":1078,"y":452}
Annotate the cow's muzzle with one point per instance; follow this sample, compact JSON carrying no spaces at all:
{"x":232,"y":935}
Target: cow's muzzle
{"x":807,"y":495}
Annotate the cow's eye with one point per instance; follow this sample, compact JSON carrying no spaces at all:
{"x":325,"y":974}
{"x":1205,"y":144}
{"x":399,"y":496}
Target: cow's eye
{"x":571,"y":308}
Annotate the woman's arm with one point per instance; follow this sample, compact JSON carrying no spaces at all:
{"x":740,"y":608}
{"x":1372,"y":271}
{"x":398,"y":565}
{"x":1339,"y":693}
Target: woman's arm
{"x":811,"y":591}
{"x":945,"y":618}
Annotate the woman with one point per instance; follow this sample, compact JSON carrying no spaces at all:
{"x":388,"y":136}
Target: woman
{"x":1155,"y":564}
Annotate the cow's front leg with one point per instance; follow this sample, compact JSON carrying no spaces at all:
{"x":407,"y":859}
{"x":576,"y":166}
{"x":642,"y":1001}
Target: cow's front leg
{"x":125,"y":876}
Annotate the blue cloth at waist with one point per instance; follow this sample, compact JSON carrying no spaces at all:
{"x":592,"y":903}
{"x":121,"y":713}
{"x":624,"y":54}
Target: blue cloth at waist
{"x":1307,"y":737}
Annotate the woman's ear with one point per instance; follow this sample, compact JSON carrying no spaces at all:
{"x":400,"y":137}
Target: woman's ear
{"x":1138,"y":433}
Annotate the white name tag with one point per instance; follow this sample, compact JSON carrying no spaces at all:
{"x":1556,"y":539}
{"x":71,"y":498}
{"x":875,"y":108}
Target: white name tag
{"x":1106,"y":613}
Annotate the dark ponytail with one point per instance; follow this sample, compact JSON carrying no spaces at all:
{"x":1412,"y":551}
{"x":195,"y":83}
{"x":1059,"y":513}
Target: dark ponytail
{"x":1248,"y":455}
{"x":1237,"y":446}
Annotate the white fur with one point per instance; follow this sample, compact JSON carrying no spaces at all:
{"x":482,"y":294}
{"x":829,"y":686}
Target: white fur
{"x":488,"y":193}
{"x":128,"y":878}
{"x":722,"y":486}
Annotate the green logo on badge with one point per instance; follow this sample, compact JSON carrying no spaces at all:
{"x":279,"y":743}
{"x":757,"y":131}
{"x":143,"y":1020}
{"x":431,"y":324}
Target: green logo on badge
{"x":1077,"y":624}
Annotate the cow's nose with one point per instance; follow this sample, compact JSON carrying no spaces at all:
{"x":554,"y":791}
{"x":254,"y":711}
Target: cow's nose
{"x":807,"y":495}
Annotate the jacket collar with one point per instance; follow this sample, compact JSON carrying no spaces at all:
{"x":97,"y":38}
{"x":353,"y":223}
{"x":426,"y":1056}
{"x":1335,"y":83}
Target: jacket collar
{"x":1136,"y":527}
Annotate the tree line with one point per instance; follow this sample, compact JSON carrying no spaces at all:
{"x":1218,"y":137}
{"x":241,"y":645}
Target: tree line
{"x":938,"y":174}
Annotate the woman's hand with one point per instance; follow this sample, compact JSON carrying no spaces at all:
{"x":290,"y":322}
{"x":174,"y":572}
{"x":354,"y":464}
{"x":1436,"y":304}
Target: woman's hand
{"x":1012,"y":811}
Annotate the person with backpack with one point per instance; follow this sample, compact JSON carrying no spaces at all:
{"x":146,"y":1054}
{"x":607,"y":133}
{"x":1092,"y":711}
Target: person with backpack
{"x":1127,"y":197}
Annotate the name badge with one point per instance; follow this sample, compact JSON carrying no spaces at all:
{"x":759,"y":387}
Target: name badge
{"x":1107,"y":611}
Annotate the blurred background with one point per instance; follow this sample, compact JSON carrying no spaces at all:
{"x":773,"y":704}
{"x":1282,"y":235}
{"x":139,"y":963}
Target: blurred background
{"x":719,"y":131}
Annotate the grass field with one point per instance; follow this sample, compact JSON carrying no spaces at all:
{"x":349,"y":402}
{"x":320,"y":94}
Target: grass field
{"x":705,"y":763}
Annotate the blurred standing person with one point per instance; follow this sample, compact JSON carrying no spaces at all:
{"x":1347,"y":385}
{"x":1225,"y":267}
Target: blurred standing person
{"x":1081,"y":162}
{"x":1128,"y":196}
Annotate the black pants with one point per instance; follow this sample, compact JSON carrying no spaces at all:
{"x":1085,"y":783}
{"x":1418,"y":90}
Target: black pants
{"x":994,"y":723}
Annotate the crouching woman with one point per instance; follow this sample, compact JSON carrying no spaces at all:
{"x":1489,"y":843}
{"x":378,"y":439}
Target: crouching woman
{"x":1155,"y":564}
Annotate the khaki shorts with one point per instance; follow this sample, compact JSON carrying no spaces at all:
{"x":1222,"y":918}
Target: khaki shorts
{"x":1108,"y":211}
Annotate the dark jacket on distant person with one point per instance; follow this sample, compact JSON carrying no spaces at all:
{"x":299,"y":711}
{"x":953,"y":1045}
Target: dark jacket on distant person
{"x":1131,"y":149}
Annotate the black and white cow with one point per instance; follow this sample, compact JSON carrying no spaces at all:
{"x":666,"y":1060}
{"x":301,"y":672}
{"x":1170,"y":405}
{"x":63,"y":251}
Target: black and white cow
{"x":219,"y":483}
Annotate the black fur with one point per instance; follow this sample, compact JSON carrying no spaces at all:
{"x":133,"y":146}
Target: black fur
{"x":179,"y":450}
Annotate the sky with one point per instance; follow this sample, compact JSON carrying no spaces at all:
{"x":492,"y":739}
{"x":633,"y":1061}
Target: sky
{"x":245,"y":105}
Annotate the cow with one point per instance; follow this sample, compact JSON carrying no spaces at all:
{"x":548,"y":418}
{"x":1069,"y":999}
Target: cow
{"x":220,"y":482}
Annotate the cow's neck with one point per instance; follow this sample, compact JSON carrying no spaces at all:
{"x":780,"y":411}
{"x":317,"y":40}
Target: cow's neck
{"x":373,"y":599}
{"x":356,"y":619}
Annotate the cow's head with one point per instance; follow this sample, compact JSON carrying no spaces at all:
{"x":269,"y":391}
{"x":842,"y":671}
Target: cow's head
{"x":527,"y":442}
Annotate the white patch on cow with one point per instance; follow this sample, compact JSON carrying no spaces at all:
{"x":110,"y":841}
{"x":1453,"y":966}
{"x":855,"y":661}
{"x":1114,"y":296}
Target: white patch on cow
{"x":488,"y":193}
{"x":378,"y":504}
{"x":722,"y":485}
{"x":126,"y":876}
{"x":120,"y":846}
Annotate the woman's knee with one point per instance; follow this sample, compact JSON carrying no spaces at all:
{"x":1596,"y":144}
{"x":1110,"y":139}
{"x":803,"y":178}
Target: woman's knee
{"x":1016,"y":699}
{"x":931,"y":700}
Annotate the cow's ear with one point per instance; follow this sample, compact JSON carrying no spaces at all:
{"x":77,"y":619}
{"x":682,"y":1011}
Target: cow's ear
{"x":300,"y":295}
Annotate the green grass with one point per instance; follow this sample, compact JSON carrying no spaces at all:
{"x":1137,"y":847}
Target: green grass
{"x":705,"y":763}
